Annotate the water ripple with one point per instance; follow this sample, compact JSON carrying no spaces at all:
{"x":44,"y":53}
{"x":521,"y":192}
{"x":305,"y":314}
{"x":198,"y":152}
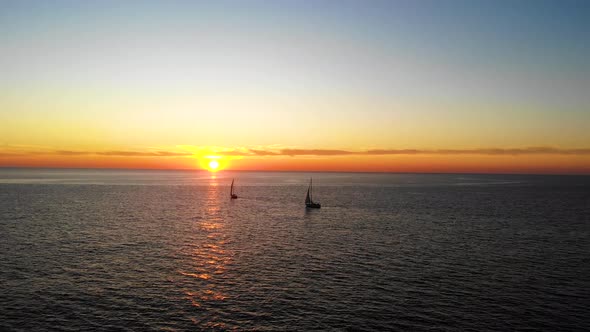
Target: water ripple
{"x":507,"y":256}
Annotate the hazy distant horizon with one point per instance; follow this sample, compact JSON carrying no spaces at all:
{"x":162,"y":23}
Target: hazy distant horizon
{"x":278,"y":171}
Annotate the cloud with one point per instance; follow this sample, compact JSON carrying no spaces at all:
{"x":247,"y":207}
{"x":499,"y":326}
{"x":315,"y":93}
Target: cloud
{"x":10,"y":154}
{"x":381,"y":152}
{"x":394,"y":151}
{"x":70,"y":153}
{"x":263,"y":152}
{"x":144,"y":154}
{"x":293,"y":152}
{"x":315,"y":152}
{"x":231,"y":153}
{"x":518,"y":151}
{"x":120,"y":153}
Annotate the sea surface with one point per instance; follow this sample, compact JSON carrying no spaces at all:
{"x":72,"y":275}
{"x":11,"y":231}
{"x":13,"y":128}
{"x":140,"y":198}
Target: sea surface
{"x":130,"y":250}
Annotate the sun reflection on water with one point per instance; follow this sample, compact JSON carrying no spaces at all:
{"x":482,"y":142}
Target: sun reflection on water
{"x":210,"y":258}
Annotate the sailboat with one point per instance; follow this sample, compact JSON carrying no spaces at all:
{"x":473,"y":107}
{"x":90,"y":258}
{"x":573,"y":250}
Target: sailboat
{"x":309,"y":203}
{"x":231,"y":192}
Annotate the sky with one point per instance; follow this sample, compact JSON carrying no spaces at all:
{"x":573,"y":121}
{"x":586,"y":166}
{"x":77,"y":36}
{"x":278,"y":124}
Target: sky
{"x":384,"y":86}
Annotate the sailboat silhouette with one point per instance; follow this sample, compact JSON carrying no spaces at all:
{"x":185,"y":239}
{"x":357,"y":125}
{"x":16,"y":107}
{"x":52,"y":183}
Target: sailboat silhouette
{"x":309,"y":203}
{"x":232,"y":195}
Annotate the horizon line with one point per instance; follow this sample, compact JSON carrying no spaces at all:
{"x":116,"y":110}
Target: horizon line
{"x":284,"y":171}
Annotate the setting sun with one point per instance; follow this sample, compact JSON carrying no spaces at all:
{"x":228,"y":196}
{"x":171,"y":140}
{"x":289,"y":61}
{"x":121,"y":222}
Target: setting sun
{"x":360,"y":89}
{"x":213,"y":165}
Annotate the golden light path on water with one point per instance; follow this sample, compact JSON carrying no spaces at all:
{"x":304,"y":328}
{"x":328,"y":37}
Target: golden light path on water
{"x":208,"y":257}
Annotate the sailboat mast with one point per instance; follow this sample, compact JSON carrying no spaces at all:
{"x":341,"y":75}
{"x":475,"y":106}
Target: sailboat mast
{"x":311,"y":189}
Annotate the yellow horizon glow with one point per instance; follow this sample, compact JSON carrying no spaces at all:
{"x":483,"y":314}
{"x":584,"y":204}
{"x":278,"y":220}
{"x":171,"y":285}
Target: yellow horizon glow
{"x":273,"y":158}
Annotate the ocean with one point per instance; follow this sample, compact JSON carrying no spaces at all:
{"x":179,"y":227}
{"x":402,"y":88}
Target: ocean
{"x":136,"y":250}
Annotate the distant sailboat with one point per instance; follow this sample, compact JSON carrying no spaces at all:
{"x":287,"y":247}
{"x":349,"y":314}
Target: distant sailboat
{"x":309,"y":203}
{"x":231,"y":192}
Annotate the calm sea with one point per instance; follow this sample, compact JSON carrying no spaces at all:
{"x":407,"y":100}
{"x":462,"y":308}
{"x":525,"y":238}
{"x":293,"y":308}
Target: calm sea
{"x":168,"y":250}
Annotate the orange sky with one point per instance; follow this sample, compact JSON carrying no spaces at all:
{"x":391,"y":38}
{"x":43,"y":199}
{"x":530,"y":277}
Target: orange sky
{"x":447,"y":163}
{"x":326,"y":86}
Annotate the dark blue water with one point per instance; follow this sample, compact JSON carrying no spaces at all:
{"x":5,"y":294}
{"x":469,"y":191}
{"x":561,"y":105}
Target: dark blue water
{"x":168,"y":250}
